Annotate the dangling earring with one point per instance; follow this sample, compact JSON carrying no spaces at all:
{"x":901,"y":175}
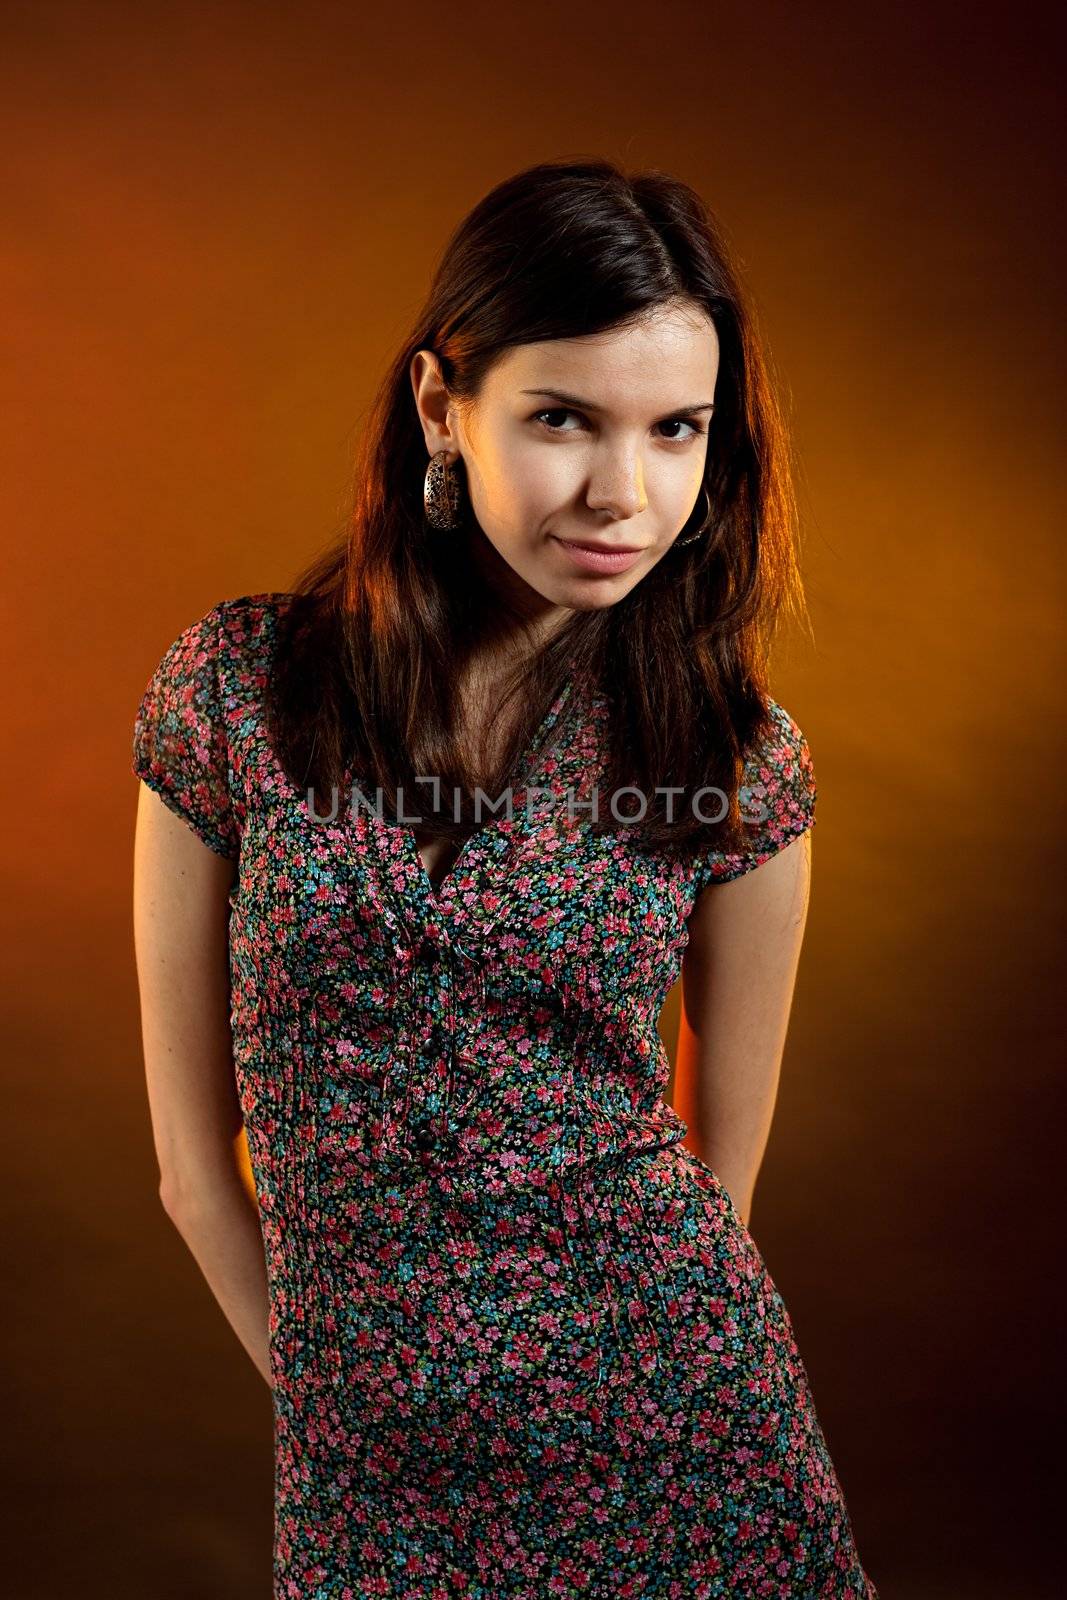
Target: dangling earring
{"x":691,"y":538}
{"x":442,"y":494}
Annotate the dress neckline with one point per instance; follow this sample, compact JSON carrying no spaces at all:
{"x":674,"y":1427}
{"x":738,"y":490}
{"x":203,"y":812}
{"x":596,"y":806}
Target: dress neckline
{"x":438,"y":898}
{"x":395,"y":841}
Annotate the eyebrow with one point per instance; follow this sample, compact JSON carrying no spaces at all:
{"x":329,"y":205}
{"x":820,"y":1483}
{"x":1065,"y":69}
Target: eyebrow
{"x":587,"y":405}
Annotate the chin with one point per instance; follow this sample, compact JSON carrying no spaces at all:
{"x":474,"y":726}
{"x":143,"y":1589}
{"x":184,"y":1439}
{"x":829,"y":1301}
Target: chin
{"x":584,"y":598}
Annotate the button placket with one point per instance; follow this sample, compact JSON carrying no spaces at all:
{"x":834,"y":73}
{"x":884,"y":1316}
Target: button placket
{"x":433,"y":1040}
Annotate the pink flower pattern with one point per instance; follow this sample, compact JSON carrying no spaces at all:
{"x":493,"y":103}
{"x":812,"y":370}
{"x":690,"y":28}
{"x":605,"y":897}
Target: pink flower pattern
{"x":521,"y":1342}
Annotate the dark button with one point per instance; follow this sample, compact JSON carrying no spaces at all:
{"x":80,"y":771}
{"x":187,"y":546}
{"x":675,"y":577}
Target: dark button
{"x":425,"y":1139}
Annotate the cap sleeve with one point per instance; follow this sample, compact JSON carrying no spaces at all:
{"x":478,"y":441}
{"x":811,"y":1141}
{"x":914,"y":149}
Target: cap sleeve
{"x":777,"y":800}
{"x":180,"y":748}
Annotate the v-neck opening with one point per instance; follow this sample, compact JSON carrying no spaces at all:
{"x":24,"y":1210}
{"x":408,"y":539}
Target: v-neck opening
{"x":439,"y":897}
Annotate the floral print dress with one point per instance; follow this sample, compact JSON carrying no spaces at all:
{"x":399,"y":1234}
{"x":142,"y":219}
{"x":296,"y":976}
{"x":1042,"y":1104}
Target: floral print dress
{"x":522,"y":1345}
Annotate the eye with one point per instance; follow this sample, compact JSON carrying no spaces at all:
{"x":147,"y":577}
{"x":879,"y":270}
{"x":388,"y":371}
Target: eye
{"x":556,"y":411}
{"x":696,"y":429}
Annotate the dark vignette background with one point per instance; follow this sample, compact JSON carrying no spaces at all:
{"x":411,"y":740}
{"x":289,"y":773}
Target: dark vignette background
{"x":218,"y":220}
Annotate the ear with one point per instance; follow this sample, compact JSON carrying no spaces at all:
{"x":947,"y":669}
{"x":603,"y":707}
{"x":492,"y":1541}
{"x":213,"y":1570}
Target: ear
{"x":433,"y":402}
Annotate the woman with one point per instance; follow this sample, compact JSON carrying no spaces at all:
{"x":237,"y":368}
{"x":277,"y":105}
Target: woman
{"x":470,"y":795}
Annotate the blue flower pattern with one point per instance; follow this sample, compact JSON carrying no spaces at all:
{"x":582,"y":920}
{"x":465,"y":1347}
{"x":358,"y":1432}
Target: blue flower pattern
{"x":522,"y":1344}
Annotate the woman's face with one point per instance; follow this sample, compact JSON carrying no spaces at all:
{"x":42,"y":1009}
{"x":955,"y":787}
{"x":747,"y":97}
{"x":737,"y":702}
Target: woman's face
{"x":598,"y":441}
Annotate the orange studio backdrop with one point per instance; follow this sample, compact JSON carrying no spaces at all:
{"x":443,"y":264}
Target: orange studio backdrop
{"x":219,"y":221}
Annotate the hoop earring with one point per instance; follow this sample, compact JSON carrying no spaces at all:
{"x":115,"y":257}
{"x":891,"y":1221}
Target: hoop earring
{"x":704,"y":525}
{"x":442,"y":494}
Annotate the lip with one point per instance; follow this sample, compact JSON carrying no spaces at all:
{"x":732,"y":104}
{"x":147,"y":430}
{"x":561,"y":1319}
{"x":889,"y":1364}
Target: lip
{"x":593,"y":557}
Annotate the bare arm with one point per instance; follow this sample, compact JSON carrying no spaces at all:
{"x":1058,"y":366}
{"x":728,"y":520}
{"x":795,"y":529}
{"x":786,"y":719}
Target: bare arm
{"x":738,"y":975}
{"x":180,"y":911}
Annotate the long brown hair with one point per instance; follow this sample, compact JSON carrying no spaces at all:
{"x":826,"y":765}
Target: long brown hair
{"x":369,"y":651}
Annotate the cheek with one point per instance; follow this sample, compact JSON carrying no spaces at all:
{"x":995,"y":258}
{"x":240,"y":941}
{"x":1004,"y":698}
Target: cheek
{"x":530,"y":472}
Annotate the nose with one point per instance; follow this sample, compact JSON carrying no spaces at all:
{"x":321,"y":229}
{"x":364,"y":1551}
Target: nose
{"x":619,"y":489}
